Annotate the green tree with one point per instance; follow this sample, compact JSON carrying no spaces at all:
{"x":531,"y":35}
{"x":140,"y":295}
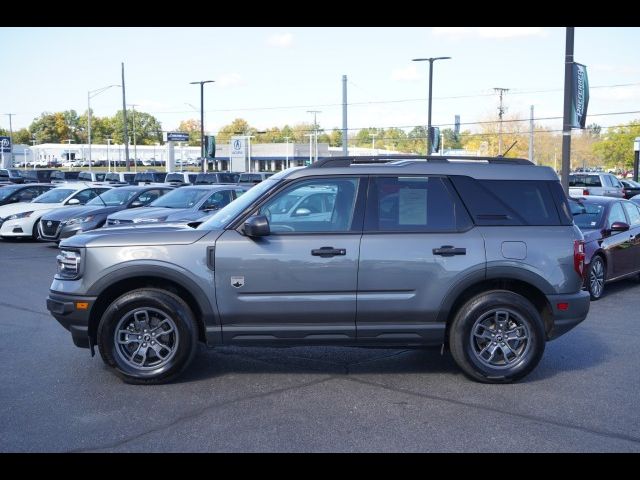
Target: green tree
{"x":192,"y":127}
{"x":616,"y":148}
{"x":417,"y":140}
{"x":22,"y":136}
{"x":451,"y":140}
{"x":238,"y":127}
{"x":335,"y":138}
{"x":148,"y":130}
{"x":56,"y":127}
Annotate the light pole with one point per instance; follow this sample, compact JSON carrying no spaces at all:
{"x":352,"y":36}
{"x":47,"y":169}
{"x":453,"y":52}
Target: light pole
{"x":90,"y":95}
{"x":109,"y":161}
{"x":315,"y":131}
{"x":286,"y":139}
{"x":373,"y":141}
{"x":310,"y":135}
{"x":202,"y":82}
{"x":430,"y":60}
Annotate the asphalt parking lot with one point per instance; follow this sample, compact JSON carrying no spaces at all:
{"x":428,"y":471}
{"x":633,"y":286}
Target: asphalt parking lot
{"x":583,"y":397}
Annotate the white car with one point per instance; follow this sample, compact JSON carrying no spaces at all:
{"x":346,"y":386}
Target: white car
{"x":21,"y":219}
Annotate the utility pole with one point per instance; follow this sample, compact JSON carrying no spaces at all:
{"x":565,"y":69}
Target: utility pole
{"x":124,"y":114}
{"x":345,"y":139}
{"x":501,"y":110}
{"x":204,"y":162}
{"x":566,"y":122}
{"x":531,"y":136}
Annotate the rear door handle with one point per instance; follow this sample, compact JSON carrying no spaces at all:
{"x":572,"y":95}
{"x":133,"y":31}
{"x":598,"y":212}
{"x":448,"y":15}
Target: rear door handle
{"x":449,"y":251}
{"x":326,"y":252}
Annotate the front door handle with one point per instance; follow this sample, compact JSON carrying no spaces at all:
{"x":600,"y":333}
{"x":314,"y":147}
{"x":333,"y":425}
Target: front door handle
{"x":449,"y":251}
{"x":326,"y":252}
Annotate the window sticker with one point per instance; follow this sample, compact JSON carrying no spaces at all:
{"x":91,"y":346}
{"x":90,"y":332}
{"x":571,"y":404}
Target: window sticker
{"x":412,"y":206}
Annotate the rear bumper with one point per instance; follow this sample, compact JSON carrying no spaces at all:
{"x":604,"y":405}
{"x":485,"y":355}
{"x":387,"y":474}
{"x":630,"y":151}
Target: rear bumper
{"x":64,"y":309}
{"x":564,"y":320}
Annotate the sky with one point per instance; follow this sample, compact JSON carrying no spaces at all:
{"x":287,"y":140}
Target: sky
{"x":273,"y":76}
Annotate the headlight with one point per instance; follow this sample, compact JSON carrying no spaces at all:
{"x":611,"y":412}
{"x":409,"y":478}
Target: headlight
{"x":148,"y":220}
{"x":69,"y":263}
{"x":73,"y":221}
{"x":20,"y":215}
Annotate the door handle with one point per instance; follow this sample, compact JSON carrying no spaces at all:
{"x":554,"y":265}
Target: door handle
{"x":326,"y":252}
{"x":449,"y":251}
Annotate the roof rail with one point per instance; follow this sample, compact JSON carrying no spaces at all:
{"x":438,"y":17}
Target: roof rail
{"x":332,"y":162}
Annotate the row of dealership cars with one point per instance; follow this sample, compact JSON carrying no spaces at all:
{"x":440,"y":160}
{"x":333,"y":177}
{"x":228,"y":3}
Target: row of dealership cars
{"x":53,"y":212}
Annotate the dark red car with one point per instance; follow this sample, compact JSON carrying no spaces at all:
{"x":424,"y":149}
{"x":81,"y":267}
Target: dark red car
{"x":611,"y":229}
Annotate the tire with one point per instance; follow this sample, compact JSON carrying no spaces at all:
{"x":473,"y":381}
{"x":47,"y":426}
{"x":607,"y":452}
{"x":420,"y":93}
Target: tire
{"x":145,"y":313}
{"x":596,"y":277}
{"x":34,"y":231}
{"x":484,"y":314}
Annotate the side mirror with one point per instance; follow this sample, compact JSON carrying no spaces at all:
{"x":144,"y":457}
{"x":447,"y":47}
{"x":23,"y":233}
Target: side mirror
{"x":257,"y":226}
{"x":73,"y":201}
{"x":302,"y":212}
{"x":619,"y":227}
{"x":135,"y":204}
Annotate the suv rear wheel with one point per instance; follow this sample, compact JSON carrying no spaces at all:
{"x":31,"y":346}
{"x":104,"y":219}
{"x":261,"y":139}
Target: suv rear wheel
{"x":148,"y":336}
{"x":497,"y":337}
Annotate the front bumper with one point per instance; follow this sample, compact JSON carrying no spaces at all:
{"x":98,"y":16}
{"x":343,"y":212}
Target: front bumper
{"x":70,"y":312}
{"x":564,"y":320}
{"x":21,"y":227}
{"x":62,"y":232}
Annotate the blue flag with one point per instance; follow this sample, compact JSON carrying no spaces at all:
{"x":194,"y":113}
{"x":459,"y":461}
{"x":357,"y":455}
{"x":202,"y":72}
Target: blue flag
{"x":580,"y":97}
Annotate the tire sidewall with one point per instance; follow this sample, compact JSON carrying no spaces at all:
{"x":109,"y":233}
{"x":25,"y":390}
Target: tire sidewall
{"x":461,"y":344}
{"x":169,"y":304}
{"x":597,"y":258}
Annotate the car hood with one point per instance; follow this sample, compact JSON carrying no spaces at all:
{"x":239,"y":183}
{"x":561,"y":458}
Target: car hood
{"x":188,"y":215}
{"x":60,"y":214}
{"x":145,"y":212}
{"x":6,"y":210}
{"x":138,"y":235}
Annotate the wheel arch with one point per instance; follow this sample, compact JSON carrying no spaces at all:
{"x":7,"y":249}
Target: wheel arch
{"x":110,"y":287}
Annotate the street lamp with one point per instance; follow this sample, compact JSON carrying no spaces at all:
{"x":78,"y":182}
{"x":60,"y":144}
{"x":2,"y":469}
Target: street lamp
{"x":315,"y":130}
{"x":133,"y":121}
{"x":90,"y":95}
{"x":430,"y":60}
{"x":202,"y":82}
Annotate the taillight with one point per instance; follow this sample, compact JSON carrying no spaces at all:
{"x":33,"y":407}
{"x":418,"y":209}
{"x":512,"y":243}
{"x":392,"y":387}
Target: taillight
{"x":578,"y":257}
{"x":585,"y":192}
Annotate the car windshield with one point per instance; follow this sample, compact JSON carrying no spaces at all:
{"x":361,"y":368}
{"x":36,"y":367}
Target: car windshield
{"x":221,"y":218}
{"x":56,"y":195}
{"x":113,"y":198}
{"x":6,"y":192}
{"x":587,"y":215}
{"x":184,"y":197}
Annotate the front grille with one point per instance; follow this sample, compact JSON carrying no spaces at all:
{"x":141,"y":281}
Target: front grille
{"x":49,"y":227}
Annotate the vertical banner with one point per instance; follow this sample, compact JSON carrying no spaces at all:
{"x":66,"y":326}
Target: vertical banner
{"x":580,"y":96}
{"x":456,"y":129}
{"x":210,"y":146}
{"x":434,"y":137}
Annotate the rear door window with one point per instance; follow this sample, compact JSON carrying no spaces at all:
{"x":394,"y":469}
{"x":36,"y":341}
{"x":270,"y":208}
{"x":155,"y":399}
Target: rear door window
{"x":633,"y":212}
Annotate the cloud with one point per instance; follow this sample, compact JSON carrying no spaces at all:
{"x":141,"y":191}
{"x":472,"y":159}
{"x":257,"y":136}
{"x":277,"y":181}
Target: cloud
{"x":230,"y":80}
{"x":410,"y":73}
{"x":281,"y":40}
{"x":489,"y":32}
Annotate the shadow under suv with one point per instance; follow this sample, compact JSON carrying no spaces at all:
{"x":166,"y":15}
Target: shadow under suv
{"x":477,"y":255}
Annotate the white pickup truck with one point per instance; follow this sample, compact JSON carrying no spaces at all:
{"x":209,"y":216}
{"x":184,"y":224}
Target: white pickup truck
{"x":600,"y":183}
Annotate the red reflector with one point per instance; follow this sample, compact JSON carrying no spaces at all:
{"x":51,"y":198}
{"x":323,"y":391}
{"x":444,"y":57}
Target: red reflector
{"x":563,"y":306}
{"x":585,"y":192}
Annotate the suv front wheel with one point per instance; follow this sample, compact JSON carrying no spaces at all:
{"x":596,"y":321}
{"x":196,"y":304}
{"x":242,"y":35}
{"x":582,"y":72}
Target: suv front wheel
{"x":148,"y":336}
{"x":497,"y":337}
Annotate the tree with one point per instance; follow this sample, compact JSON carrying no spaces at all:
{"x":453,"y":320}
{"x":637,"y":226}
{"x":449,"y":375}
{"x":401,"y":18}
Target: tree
{"x":192,"y":127}
{"x":22,"y":136}
{"x":417,"y":140}
{"x":335,"y":138}
{"x":238,"y":127}
{"x":56,"y":127}
{"x":451,"y":140}
{"x":616,"y":148}
{"x":148,"y":130}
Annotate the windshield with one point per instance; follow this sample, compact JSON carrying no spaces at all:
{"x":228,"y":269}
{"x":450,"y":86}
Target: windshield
{"x":586,"y":215}
{"x":5,"y":192}
{"x":221,"y":218}
{"x":113,"y":198}
{"x":184,"y":197}
{"x":56,"y":195}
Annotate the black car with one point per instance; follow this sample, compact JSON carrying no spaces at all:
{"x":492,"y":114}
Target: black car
{"x":253,"y":178}
{"x":12,"y":175}
{"x":217,"y":177}
{"x":611,"y":229}
{"x":16,"y":193}
{"x":143,"y":178}
{"x":39,"y":175}
{"x":631,"y":188}
{"x":61,"y":176}
{"x":66,"y":222}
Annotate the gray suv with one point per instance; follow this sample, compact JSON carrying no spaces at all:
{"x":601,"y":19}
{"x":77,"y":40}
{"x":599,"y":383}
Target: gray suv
{"x":477,"y":256}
